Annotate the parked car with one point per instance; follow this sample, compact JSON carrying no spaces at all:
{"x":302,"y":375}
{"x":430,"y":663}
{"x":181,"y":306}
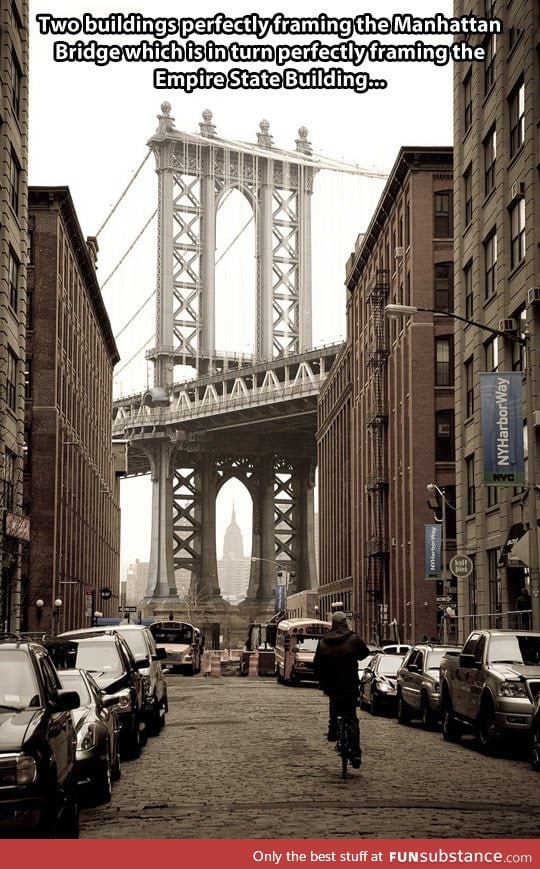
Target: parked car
{"x":363,"y":664}
{"x":111,"y":662}
{"x":96,"y":723}
{"x":38,"y":788}
{"x":535,"y":735}
{"x":143,"y":646}
{"x":396,"y":649}
{"x":378,"y":683}
{"x":418,"y":694}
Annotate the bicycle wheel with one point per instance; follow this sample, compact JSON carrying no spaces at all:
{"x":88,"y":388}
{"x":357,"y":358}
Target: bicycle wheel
{"x":343,"y":745}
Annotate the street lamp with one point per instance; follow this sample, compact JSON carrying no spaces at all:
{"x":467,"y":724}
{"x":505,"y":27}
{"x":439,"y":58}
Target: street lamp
{"x":39,"y":609}
{"x":524,"y":341}
{"x":289,"y":574}
{"x":56,"y":613}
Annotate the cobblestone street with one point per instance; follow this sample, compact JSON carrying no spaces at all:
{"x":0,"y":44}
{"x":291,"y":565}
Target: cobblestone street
{"x":247,"y":758}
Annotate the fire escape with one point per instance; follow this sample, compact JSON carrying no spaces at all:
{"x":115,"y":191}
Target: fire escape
{"x":376,"y":476}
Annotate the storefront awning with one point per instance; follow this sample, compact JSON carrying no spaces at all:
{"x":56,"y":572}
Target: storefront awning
{"x":515,"y":552}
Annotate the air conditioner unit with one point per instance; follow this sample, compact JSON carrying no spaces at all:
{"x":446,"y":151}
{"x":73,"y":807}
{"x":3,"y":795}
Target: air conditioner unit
{"x":517,"y":190}
{"x":398,"y":254}
{"x":533,"y":295}
{"x":509,"y":324}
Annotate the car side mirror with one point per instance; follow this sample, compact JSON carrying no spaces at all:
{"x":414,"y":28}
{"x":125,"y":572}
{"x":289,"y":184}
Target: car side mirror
{"x":413,"y":668}
{"x":161,"y":653}
{"x":141,"y":663}
{"x":108,"y":700}
{"x":467,"y":661}
{"x":67,"y":700}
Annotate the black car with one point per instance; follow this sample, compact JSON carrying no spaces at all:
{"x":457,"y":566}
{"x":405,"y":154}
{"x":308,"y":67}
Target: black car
{"x":378,"y":683}
{"x":142,"y":644}
{"x":535,"y":735}
{"x":38,"y":789}
{"x":110,"y":661}
{"x":97,"y":762}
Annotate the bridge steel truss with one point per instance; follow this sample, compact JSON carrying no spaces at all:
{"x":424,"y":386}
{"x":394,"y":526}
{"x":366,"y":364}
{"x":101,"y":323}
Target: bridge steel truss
{"x":249,"y":418}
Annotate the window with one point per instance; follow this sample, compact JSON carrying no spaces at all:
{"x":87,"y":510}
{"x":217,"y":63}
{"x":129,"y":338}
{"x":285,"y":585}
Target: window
{"x":444,"y":361}
{"x":490,"y":259}
{"x":517,"y":233}
{"x":407,"y":225}
{"x":28,"y":379}
{"x":492,"y":496}
{"x":517,"y":118}
{"x":444,"y":286}
{"x":13,"y":280}
{"x":468,"y":288}
{"x":490,"y":154}
{"x":467,"y":188}
{"x":471,"y":495}
{"x":14,"y":182}
{"x":11,"y":381}
{"x":492,"y":354}
{"x":444,"y":436}
{"x":467,"y":102}
{"x":518,"y":350}
{"x":16,"y":79}
{"x":469,"y":387}
{"x":443,"y":214}
{"x":514,"y":35}
{"x":489,"y":63}
{"x":9,"y":480}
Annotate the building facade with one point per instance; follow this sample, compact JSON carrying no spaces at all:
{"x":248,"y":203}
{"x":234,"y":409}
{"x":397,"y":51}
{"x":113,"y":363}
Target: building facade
{"x":334,"y":467}
{"x":14,"y":527}
{"x":400,"y":404}
{"x":72,"y":468}
{"x":497,"y":254}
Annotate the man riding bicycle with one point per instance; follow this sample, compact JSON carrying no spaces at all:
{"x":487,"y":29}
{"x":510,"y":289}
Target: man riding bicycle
{"x":336,"y":668}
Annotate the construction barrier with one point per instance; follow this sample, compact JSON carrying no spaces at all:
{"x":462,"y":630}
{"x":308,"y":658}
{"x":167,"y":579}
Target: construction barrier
{"x":215,"y":666}
{"x":225,"y":655}
{"x":206,"y":663}
{"x":253,"y":664}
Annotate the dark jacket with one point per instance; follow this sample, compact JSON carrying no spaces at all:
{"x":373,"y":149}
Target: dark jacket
{"x":336,"y":660}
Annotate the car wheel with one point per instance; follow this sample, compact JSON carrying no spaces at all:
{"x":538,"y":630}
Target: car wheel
{"x":535,"y":748}
{"x":116,"y":767}
{"x":68,"y":823}
{"x":374,"y":703}
{"x":429,"y":719}
{"x":103,"y":783}
{"x":488,"y":731}
{"x":450,"y":728}
{"x":403,"y":712}
{"x":132,"y":745}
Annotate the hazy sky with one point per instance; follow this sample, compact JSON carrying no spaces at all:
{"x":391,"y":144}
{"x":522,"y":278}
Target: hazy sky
{"x":89,"y":126}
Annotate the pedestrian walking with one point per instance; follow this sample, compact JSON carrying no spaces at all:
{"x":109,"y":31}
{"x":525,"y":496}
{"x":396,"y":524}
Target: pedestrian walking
{"x":336,"y":668}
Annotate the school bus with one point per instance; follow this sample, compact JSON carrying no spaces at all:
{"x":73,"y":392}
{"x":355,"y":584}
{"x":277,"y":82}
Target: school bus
{"x":296,"y":642}
{"x":183,"y":645}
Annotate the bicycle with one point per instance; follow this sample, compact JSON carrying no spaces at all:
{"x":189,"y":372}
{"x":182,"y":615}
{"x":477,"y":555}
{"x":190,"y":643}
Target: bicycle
{"x":342,"y":743}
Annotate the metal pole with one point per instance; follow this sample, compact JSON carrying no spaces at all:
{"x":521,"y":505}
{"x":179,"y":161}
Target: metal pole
{"x":532,"y":508}
{"x":443,"y":558}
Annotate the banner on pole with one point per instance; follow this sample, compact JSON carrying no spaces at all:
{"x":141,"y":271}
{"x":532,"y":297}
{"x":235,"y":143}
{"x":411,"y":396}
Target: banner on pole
{"x":280,"y":601}
{"x":432,"y":569}
{"x":502,"y":428}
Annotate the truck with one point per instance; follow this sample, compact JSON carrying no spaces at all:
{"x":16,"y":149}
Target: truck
{"x":261,"y":638}
{"x":489,"y":686}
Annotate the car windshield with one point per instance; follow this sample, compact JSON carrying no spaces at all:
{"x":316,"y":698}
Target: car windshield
{"x":182,"y":636}
{"x":75,"y":682}
{"x":18,"y":684}
{"x":136,"y":642}
{"x":434,"y":659}
{"x":389,"y":664}
{"x":515,"y":649}
{"x":99,"y":657}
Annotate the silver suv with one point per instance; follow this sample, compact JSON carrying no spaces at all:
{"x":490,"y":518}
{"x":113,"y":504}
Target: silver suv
{"x":143,"y":646}
{"x":418,"y":694}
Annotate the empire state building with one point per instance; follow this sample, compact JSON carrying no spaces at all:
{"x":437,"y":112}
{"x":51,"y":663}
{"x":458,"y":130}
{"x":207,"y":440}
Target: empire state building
{"x":233,"y":569}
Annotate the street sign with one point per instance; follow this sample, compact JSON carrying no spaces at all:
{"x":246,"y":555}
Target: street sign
{"x":105,"y":593}
{"x":127,"y":609}
{"x":444,"y":598}
{"x":461,"y":565}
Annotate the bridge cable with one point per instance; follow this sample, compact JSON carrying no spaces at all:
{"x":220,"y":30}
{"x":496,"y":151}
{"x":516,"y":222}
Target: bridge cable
{"x":137,"y":312}
{"x":133,"y":177}
{"x":128,"y":251}
{"x":131,"y":358}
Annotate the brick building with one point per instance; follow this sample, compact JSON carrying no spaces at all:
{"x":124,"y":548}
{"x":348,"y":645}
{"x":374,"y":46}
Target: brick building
{"x":72,"y":471}
{"x":497,"y":255}
{"x":14,"y":525}
{"x":387,"y":430}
